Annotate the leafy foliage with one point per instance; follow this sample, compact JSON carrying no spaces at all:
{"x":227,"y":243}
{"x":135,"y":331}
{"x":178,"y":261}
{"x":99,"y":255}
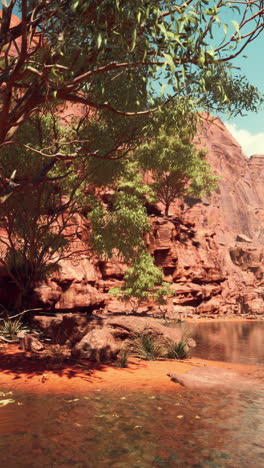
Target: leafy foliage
{"x":141,"y":281}
{"x":109,"y":60}
{"x":123,"y":356}
{"x":122,"y":227}
{"x":178,"y":350}
{"x":150,"y":347}
{"x":228,"y":91}
{"x":178,"y":169}
{"x":39,"y":224}
{"x":84,"y":52}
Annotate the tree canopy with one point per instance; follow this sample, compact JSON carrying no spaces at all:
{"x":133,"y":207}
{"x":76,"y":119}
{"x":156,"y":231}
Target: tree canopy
{"x":108,"y":54}
{"x":114,"y":88}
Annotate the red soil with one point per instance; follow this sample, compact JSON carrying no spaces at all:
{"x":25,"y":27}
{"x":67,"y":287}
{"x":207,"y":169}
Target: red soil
{"x":23,"y":372}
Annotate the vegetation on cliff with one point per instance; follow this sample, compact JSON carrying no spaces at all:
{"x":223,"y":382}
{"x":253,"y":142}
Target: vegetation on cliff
{"x":133,"y":75}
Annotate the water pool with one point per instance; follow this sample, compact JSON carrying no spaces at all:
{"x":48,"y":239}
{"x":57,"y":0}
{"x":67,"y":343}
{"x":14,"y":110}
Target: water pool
{"x":123,"y":429}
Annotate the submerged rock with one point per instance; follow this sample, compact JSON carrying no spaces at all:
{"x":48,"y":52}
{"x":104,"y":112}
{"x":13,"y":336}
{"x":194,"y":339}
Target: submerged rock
{"x":210,"y":378}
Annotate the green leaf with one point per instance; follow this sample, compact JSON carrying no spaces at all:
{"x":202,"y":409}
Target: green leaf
{"x":225,"y":27}
{"x":236,"y":26}
{"x":134,"y":39}
{"x":99,"y":40}
{"x":163,"y":29}
{"x":75,"y":5}
{"x":217,"y":19}
{"x":210,"y":53}
{"x":170,"y":62}
{"x":163,"y":88}
{"x":6,"y":402}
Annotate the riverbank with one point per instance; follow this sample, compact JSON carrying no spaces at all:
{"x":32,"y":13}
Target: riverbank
{"x":20,"y":371}
{"x":224,"y":318}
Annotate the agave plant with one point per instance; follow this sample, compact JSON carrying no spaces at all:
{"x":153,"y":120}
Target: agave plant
{"x":9,"y":329}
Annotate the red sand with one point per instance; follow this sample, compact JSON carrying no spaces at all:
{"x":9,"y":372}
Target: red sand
{"x":22,"y":372}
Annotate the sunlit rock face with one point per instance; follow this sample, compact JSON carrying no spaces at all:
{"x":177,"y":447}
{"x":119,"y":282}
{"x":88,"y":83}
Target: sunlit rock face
{"x":235,"y":207}
{"x":211,"y":250}
{"x":36,"y":39}
{"x":234,"y":215}
{"x":256,"y":168}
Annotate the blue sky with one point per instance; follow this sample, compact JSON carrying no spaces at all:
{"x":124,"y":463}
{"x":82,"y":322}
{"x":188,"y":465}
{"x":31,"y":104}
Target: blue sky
{"x":249,"y":130}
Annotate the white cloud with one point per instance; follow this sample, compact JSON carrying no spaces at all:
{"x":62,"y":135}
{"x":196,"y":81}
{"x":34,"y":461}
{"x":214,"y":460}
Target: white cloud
{"x":250,"y":143}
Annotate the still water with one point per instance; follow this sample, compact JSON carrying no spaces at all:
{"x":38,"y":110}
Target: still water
{"x":240,"y":342}
{"x":125,"y":429}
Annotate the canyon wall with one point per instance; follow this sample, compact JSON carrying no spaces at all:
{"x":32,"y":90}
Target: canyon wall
{"x":210,"y":249}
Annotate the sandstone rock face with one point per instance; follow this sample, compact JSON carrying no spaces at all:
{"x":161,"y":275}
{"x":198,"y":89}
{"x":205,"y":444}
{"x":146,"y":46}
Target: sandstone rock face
{"x":211,"y":250}
{"x":234,"y":208}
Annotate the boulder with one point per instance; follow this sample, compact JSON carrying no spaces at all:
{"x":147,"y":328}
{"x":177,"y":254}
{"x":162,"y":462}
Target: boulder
{"x":98,"y":345}
{"x":123,"y":327}
{"x":29,"y":343}
{"x":104,"y":343}
{"x":66,"y":328}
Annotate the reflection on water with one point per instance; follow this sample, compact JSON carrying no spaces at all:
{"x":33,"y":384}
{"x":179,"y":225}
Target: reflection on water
{"x":134,"y":430}
{"x":125,"y":430}
{"x":229,"y":341}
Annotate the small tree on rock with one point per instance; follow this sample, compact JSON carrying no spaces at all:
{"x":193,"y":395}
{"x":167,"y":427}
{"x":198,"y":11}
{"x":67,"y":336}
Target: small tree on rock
{"x":179,"y":170}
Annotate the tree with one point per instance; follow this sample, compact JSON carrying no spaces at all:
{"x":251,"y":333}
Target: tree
{"x":38,"y":225}
{"x":102,"y":62}
{"x":71,"y":51}
{"x":142,"y":279}
{"x":177,"y":168}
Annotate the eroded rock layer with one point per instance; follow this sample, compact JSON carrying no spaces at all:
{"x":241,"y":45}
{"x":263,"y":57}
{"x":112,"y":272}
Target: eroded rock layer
{"x":210,"y":250}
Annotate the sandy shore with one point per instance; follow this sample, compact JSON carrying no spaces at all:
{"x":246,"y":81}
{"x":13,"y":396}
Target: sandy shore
{"x":22,"y":372}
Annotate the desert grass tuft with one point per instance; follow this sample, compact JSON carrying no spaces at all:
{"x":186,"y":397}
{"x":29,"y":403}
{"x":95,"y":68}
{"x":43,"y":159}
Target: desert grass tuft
{"x":147,"y":346}
{"x":9,"y":329}
{"x":122,"y":358}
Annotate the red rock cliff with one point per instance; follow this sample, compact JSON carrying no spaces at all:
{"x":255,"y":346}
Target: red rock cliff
{"x":211,"y":251}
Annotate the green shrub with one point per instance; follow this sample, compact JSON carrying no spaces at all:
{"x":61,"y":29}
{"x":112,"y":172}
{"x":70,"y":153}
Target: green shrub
{"x":177,"y":350}
{"x":148,"y":346}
